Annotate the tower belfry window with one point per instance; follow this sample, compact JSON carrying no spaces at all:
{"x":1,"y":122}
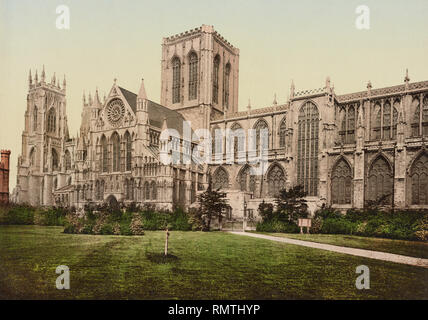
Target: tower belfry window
{"x":226,"y":87}
{"x":216,"y":78}
{"x":51,"y":128}
{"x":35,"y":118}
{"x":193,"y":76}
{"x":176,"y":80}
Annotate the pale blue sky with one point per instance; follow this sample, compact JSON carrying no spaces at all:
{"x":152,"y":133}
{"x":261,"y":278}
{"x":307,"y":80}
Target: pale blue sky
{"x":279,"y":41}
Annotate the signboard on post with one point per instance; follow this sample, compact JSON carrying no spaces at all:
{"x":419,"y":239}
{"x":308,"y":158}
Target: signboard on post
{"x":305,"y":223}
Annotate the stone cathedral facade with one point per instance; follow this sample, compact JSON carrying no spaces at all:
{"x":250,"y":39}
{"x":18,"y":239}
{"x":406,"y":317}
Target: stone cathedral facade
{"x":345,"y":150}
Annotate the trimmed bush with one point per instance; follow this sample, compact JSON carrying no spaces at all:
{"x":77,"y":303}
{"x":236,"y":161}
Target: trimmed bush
{"x":399,"y":224}
{"x":277,"y":226}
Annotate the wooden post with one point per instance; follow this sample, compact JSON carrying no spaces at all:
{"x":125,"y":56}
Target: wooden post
{"x":166,"y":242}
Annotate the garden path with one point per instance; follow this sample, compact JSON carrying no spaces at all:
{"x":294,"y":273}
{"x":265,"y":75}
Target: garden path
{"x":419,"y":262}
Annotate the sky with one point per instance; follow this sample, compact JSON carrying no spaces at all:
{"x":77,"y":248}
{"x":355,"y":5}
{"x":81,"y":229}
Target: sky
{"x":279,"y":41}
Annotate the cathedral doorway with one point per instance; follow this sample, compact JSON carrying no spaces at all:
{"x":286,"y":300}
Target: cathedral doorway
{"x":112,"y":202}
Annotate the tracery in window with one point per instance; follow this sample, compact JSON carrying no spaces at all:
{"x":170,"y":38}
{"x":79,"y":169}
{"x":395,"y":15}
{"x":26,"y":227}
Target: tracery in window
{"x":216,"y":78}
{"x":128,"y":145}
{"x":176,"y":80}
{"x":55,"y":160}
{"x":220,"y":179}
{"x":104,"y":154}
{"x":419,"y":180}
{"x":154,"y":191}
{"x":226,"y":86}
{"x":341,"y":183}
{"x":238,"y":136}
{"x":380,"y":181}
{"x":51,"y":127}
{"x":307,"y":148}
{"x":262,"y":134}
{"x":35,"y":118}
{"x":193,"y":76}
{"x":282,"y":133}
{"x":247,"y":181}
{"x":116,"y":151}
{"x":276,"y":180}
{"x":67,"y":158}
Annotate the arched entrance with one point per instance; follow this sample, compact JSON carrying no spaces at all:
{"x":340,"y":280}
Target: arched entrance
{"x":112,"y":202}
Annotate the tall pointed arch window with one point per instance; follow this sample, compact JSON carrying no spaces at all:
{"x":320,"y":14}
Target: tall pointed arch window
{"x":416,"y":117}
{"x":220,"y":179}
{"x":55,"y":160}
{"x":216,"y":71}
{"x":307,"y":148}
{"x":238,"y":136}
{"x":395,"y":107}
{"x":35,"y":111}
{"x":341,"y":183}
{"x":176,"y":80}
{"x":226,"y":86}
{"x":193,"y":76}
{"x":147,"y":190}
{"x":51,"y":127}
{"x":128,"y":156}
{"x":380,"y":181}
{"x":115,"y":140}
{"x":217,"y":141}
{"x":33,"y":156}
{"x":276,"y":180}
{"x":376,"y":129}
{"x":282,"y":133}
{"x":246,"y":180}
{"x":350,"y":130}
{"x":262,"y":135}
{"x":347,"y":132}
{"x":154,"y":191}
{"x":385,"y":121}
{"x":104,"y":154}
{"x":419,"y":180}
{"x":67,"y":158}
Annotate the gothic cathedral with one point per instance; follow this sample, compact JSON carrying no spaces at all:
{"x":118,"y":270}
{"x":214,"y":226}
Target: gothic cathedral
{"x":345,"y":150}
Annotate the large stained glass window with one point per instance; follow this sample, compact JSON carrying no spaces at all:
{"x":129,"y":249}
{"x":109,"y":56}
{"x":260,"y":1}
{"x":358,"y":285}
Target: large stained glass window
{"x":419,"y":180}
{"x":380,"y":181}
{"x":341,"y":183}
{"x":307,"y":148}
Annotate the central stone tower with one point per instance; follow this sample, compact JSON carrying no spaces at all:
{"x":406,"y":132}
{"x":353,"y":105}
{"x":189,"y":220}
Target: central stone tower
{"x":200,"y":75}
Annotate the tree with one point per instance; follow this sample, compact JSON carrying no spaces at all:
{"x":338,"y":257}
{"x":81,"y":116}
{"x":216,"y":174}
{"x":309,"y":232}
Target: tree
{"x":291,"y":204}
{"x":212,"y":204}
{"x":266,"y":211}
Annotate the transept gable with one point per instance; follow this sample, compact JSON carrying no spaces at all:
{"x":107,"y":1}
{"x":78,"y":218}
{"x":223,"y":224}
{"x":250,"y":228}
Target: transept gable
{"x":118,"y":110}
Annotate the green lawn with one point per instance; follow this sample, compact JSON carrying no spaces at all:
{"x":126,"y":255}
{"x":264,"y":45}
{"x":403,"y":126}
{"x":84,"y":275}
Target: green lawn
{"x":406,"y":248}
{"x":203,"y":266}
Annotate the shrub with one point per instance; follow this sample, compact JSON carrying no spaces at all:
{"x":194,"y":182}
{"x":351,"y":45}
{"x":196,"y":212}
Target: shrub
{"x":372,"y":222}
{"x":421,"y":230}
{"x":337,"y":226}
{"x":317,"y":224}
{"x":116,"y":229}
{"x":277,"y":226}
{"x":266,"y":211}
{"x":180,"y":221}
{"x":19,"y":215}
{"x":136,"y":225}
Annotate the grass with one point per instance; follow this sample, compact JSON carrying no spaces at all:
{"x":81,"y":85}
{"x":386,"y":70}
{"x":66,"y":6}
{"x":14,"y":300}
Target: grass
{"x":406,"y":248}
{"x":201,"y":266}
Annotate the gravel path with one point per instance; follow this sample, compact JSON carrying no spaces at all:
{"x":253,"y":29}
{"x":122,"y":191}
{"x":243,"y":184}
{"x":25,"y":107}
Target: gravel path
{"x":419,"y":262}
